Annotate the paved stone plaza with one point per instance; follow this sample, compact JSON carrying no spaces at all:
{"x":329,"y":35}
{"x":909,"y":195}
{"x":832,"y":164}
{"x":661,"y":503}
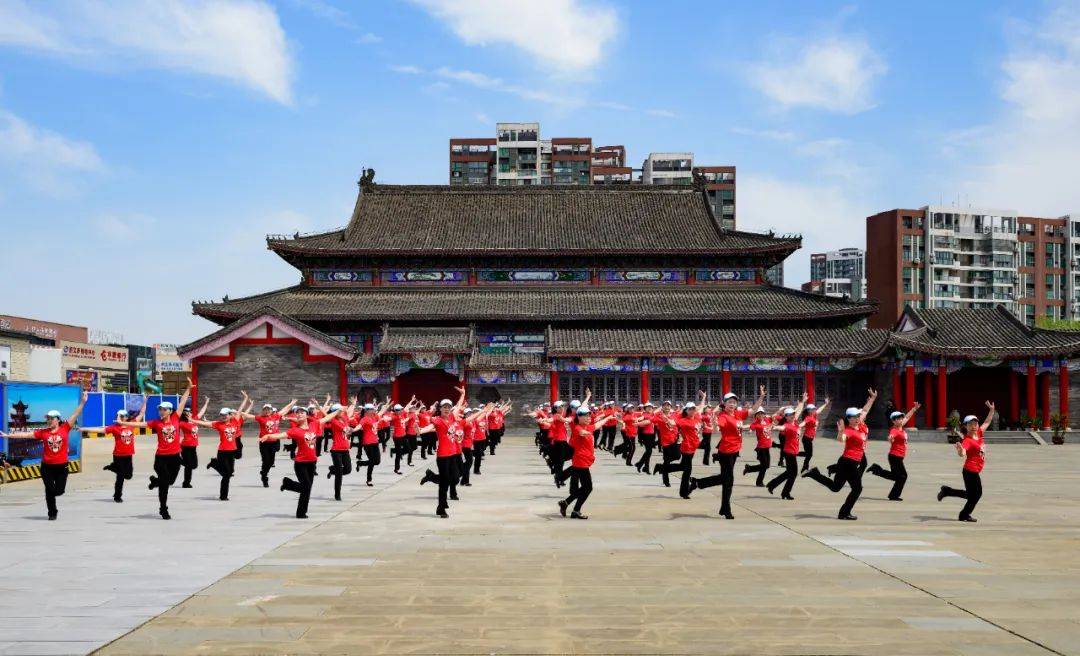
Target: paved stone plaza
{"x":648,"y":573}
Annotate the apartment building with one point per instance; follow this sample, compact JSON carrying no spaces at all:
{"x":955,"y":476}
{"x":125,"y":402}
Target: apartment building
{"x":472,"y":161}
{"x":720,"y":190}
{"x":950,"y":257}
{"x":668,"y":168}
{"x":838,"y":273}
{"x":609,"y":166}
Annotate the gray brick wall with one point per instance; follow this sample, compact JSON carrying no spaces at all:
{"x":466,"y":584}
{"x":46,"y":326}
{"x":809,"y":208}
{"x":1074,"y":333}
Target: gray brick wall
{"x":270,"y":374}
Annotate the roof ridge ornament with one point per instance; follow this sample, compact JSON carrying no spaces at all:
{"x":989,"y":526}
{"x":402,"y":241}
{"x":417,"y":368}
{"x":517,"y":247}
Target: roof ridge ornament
{"x":367,"y":180}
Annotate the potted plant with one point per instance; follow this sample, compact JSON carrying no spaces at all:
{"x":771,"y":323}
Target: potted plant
{"x":952,"y":423}
{"x":1059,"y":424}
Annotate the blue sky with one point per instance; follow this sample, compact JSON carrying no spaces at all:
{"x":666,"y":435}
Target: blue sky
{"x":146,"y":148}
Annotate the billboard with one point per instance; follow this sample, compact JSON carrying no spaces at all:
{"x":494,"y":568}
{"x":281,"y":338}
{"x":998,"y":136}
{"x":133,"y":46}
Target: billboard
{"x":77,"y":355}
{"x":25,"y":405}
{"x":45,"y":329}
{"x":84,"y":378}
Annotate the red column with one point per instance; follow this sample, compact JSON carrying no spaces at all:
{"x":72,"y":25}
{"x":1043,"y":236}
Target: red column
{"x":1044,"y":397}
{"x":1031,"y":409}
{"x":1014,"y":395}
{"x":909,"y":386}
{"x":897,"y":389}
{"x":553,"y":384}
{"x":809,"y":385}
{"x":343,"y":383}
{"x":1063,"y":392}
{"x":644,"y":385}
{"x":942,"y":401}
{"x":725,"y":381}
{"x":194,"y":390}
{"x":928,"y":404}
{"x":394,"y":389}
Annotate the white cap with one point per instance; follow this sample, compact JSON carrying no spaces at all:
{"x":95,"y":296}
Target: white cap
{"x":895,"y":415}
{"x":166,"y":405}
{"x":299,"y":408}
{"x":446,"y":402}
{"x":575,"y":403}
{"x":666,"y":403}
{"x":789,"y":411}
{"x":810,"y":406}
{"x":731,"y":395}
{"x":852,"y":412}
{"x":760,"y":411}
{"x":121,"y":412}
{"x":970,"y":418}
{"x":649,"y":404}
{"x":267,"y":406}
{"x":369,"y":406}
{"x":336,"y":407}
{"x":398,"y":407}
{"x":53,"y":414}
{"x":558,"y":404}
{"x":225,"y":411}
{"x":583,"y":410}
{"x":688,"y":405}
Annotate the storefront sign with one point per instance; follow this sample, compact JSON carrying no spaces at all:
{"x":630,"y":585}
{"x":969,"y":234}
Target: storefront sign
{"x":77,"y":355}
{"x":84,"y":378}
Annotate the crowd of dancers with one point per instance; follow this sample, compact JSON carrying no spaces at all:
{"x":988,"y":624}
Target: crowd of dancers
{"x":458,"y":438}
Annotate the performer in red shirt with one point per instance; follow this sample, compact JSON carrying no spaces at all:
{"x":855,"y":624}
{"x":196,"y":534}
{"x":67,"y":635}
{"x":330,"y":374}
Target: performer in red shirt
{"x":628,"y":425}
{"x":54,"y":452}
{"x":371,"y":420}
{"x":763,"y":449}
{"x":189,"y":439}
{"x":339,"y":427}
{"x":667,"y":438}
{"x":688,"y":425}
{"x":583,"y":444}
{"x":496,"y":428}
{"x":167,"y":460}
{"x":558,"y":427}
{"x":229,"y":427}
{"x":448,"y":435}
{"x":399,"y":421}
{"x":852,"y":431}
{"x":789,"y":426}
{"x":973,"y":450}
{"x":427,"y":440}
{"x":708,"y":422}
{"x":269,"y":421}
{"x":897,"y":472}
{"x":647,"y":437}
{"x":729,"y":423}
{"x":810,"y":423}
{"x":305,"y":433}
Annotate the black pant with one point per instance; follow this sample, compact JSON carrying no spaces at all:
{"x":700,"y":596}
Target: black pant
{"x":446,"y":466}
{"x":400,"y":449}
{"x":847,"y":471}
{"x":189,"y":457}
{"x":305,"y":476}
{"x":684,"y":464}
{"x":267,"y":455}
{"x":897,"y":473}
{"x":608,"y":433}
{"x":648,"y":442}
{"x":972,"y":492}
{"x":861,"y":466}
{"x":374,"y":457}
{"x":466,"y":465}
{"x":427,"y":445}
{"x":410,"y":447}
{"x":384,"y":437}
{"x":224,"y":463}
{"x":764,"y":459}
{"x":808,"y":452}
{"x":670,"y":454}
{"x":478,"y":453}
{"x":787,"y":477}
{"x":559,"y":451}
{"x":55,"y":479}
{"x":706,"y":447}
{"x":726,"y":477}
{"x":121,"y":466}
{"x":239,"y":447}
{"x":494,"y":439}
{"x":166,"y":469}
{"x":581,"y":487}
{"x":341,"y":466}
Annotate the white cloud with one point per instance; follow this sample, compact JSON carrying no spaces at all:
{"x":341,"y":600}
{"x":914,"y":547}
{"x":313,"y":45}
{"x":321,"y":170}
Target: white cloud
{"x":406,"y":69}
{"x":470,"y":77}
{"x":566,"y":36}
{"x":369,"y":38}
{"x":1027,"y":158}
{"x":23,"y":143}
{"x":326,"y":11}
{"x":662,"y":113}
{"x":237,"y":40}
{"x":771,"y":135}
{"x":834,"y":73}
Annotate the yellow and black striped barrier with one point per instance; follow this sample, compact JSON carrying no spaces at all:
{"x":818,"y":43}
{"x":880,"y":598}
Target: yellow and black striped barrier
{"x":29,"y":472}
{"x":93,"y":434}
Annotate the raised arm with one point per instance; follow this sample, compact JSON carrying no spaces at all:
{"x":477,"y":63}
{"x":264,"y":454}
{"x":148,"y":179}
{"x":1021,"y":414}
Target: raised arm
{"x":182,"y":403}
{"x":588,"y":395}
{"x":701,"y":401}
{"x":799,"y":407}
{"x":820,"y":412}
{"x":911,"y":413}
{"x":288,"y":407}
{"x":840,"y":430}
{"x":869,"y":404}
{"x":78,"y":409}
{"x":989,"y":416}
{"x":330,"y":417}
{"x":200,"y":422}
{"x":760,"y":398}
{"x":202,"y":410}
{"x":326,"y":404}
{"x":461,"y":399}
{"x":142,"y":411}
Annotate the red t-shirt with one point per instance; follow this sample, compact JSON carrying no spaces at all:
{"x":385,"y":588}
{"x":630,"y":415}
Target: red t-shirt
{"x":557,"y":432}
{"x":649,"y":428}
{"x":168,"y":442}
{"x":124,"y":437}
{"x":667,"y":433}
{"x":707,"y":421}
{"x":413,"y":424}
{"x":270,"y":423}
{"x":854,"y":444}
{"x":761,"y":430}
{"x":424,"y":418}
{"x":228,"y":431}
{"x":370,"y":424}
{"x":447,"y":434}
{"x":742,"y":413}
{"x":338,"y":428}
{"x":305,"y":440}
{"x":810,"y":426}
{"x":54,"y":444}
{"x":730,"y":435}
{"x":496,"y":420}
{"x":899,"y":442}
{"x":975,"y":459}
{"x":790,"y":437}
{"x":480,"y":432}
{"x":397,"y":422}
{"x":689,"y":429}
{"x":189,"y":434}
{"x":581,"y":439}
{"x":629,"y":425}
{"x":469,"y":428}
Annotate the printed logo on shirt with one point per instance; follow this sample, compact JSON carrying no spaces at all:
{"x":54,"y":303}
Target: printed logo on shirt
{"x":168,"y":433}
{"x":271,"y":426}
{"x":54,"y":442}
{"x":310,"y":439}
{"x":230,"y":434}
{"x":126,"y":436}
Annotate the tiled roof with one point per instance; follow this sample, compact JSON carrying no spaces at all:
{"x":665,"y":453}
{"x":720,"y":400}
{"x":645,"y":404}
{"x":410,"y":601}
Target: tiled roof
{"x":837,"y":342}
{"x":406,"y":339}
{"x":369,"y":361}
{"x":266,"y":310}
{"x":439,"y":220}
{"x":992,"y":332}
{"x":508,"y":361}
{"x":720,"y":302}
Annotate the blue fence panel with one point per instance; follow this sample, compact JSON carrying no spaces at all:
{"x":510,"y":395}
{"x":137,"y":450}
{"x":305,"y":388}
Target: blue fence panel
{"x":113,"y":404}
{"x":93,"y":412}
{"x":155,"y":400}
